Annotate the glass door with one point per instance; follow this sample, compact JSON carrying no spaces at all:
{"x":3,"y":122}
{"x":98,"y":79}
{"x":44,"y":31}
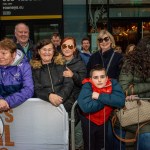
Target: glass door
{"x":42,"y":31}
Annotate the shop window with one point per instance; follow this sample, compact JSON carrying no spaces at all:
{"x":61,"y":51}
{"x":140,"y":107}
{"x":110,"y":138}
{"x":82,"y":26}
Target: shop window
{"x":125,"y":33}
{"x":145,"y":29}
{"x":42,"y":31}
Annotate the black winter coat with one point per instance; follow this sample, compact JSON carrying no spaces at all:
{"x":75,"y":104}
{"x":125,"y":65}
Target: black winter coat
{"x":78,"y":68}
{"x":44,"y":79}
{"x":103,"y":59}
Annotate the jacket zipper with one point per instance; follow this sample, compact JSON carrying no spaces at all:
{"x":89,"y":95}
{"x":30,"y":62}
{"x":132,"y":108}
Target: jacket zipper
{"x":51,"y":79}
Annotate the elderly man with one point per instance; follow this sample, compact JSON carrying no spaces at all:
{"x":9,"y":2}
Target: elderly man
{"x":22,"y":39}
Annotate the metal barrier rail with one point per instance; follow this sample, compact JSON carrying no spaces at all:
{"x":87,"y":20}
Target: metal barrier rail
{"x":47,"y":132}
{"x":72,"y":119}
{"x":1,"y":127}
{"x":73,"y":125}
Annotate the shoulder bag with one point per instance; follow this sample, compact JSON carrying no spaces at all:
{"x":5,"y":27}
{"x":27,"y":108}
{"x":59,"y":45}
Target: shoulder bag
{"x":134,"y":112}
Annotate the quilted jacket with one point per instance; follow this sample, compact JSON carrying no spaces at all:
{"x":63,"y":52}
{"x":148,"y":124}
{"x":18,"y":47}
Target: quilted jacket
{"x":16,"y":84}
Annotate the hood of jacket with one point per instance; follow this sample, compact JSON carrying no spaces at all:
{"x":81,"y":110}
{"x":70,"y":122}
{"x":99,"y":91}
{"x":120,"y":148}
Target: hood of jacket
{"x":59,"y":60}
{"x":19,"y":58}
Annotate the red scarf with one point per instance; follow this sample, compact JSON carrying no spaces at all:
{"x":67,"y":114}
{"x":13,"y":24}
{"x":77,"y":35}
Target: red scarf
{"x":101,"y":116}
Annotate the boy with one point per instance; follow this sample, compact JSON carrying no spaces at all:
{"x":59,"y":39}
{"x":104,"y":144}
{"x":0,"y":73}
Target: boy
{"x":97,"y":98}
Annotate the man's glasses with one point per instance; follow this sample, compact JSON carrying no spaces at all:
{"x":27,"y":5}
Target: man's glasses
{"x":64,"y":46}
{"x":100,"y":40}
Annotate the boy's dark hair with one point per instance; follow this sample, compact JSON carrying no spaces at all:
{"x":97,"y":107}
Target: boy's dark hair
{"x":97,"y":67}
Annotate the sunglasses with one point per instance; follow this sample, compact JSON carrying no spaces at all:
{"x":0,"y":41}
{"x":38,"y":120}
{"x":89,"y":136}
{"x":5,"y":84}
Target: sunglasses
{"x":64,"y":46}
{"x":100,"y":40}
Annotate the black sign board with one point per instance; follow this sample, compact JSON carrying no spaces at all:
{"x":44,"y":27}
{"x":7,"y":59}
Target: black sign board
{"x":31,"y":7}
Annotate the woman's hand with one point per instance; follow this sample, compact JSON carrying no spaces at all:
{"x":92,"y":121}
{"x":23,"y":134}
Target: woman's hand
{"x":95,"y":95}
{"x":3,"y":105}
{"x":132,"y":97}
{"x":68,"y":73}
{"x":55,"y":99}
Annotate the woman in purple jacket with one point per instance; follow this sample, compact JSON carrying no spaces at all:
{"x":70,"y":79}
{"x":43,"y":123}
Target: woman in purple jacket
{"x":16,"y":84}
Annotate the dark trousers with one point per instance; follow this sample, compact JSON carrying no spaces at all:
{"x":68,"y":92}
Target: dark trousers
{"x":113,"y":142}
{"x":93,"y":135}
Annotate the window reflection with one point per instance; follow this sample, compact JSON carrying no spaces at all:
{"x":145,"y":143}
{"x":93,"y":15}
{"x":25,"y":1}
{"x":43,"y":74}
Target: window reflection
{"x":42,"y":31}
{"x":146,"y":28}
{"x":125,"y":33}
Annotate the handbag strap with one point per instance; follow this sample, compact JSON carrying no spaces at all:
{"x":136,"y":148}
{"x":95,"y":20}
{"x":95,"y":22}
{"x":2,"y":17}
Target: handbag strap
{"x":132,"y":90}
{"x":110,"y":62}
{"x":113,"y":121}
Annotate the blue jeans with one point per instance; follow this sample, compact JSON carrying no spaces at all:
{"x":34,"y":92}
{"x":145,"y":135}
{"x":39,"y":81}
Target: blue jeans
{"x":143,"y":142}
{"x":113,"y":142}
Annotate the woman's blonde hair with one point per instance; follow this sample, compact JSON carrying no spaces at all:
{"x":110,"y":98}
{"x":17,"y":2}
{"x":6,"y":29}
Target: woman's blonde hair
{"x":103,"y":32}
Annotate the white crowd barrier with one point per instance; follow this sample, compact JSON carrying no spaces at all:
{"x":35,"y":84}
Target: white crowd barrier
{"x":35,"y":125}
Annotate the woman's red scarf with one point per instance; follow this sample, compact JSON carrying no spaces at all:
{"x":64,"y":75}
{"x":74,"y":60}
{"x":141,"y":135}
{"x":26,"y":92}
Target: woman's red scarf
{"x":101,"y":116}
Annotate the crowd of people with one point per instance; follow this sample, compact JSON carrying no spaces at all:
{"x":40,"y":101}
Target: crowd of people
{"x":55,"y":71}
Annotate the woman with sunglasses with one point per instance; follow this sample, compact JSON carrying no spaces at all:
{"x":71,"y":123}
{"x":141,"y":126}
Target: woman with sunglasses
{"x":112,"y":62}
{"x":75,"y":69}
{"x":49,"y":83}
{"x":106,"y":56}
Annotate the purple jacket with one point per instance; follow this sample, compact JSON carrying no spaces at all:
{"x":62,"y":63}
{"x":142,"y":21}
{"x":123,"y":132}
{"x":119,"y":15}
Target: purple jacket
{"x":16,"y":84}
